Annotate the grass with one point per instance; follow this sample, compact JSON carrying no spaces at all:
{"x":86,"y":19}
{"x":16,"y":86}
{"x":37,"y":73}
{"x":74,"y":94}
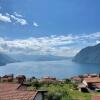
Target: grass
{"x":64,"y":91}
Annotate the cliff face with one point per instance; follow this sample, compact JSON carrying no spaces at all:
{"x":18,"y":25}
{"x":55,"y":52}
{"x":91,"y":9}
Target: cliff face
{"x":5,"y":59}
{"x":89,"y":54}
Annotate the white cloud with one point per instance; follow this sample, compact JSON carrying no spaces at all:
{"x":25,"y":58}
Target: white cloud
{"x":17,"y":15}
{"x":42,"y":45}
{"x":16,"y":19}
{"x":4,"y":18}
{"x":19,"y":20}
{"x":97,"y":42}
{"x":62,"y":45}
{"x":35,"y":24}
{"x":7,"y":14}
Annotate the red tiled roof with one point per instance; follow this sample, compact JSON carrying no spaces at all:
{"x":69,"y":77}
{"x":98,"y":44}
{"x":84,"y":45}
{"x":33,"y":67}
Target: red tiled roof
{"x":92,"y":80}
{"x":17,"y":95}
{"x":96,"y":97}
{"x":10,"y":92}
{"x":7,"y":86}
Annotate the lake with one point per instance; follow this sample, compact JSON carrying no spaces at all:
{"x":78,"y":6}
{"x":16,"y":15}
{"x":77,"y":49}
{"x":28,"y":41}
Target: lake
{"x":60,"y":69}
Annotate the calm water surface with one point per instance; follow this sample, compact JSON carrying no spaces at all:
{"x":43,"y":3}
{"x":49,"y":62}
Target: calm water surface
{"x":59,"y":69}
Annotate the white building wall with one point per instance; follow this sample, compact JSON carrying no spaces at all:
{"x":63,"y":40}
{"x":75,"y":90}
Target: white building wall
{"x":85,"y":83}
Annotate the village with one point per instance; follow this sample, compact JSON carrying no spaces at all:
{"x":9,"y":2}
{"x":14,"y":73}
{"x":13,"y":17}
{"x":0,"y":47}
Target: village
{"x":22,"y":88}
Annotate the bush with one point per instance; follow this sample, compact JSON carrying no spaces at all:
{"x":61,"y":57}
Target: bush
{"x":36,"y":84}
{"x":67,"y":81}
{"x":54,"y":96}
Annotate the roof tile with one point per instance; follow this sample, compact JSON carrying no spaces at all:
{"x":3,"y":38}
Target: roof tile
{"x":10,"y":92}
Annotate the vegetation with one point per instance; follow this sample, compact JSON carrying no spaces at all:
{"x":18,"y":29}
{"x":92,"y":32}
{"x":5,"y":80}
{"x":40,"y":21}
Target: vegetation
{"x":61,"y":91}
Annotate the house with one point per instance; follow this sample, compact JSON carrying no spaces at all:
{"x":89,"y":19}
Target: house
{"x":21,"y":78}
{"x":85,"y":75}
{"x":90,"y":83}
{"x":7,"y":78}
{"x":82,"y":88}
{"x":94,"y":75}
{"x":88,"y":75}
{"x":91,"y":80}
{"x":76,"y":79}
{"x":11,"y":91}
{"x":48,"y":79}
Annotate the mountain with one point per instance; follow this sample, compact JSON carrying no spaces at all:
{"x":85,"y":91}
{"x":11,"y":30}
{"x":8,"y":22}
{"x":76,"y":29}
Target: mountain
{"x":5,"y":59}
{"x":23,"y":57}
{"x":89,"y":54}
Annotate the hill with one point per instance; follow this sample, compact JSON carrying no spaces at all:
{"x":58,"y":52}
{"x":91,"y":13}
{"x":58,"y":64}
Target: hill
{"x":5,"y":59}
{"x":89,"y":54}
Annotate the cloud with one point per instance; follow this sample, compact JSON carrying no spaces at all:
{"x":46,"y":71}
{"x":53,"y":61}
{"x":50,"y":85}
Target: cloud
{"x":97,"y":42}
{"x":19,"y":20}
{"x":4,"y":18}
{"x":17,"y":15}
{"x":15,"y":19}
{"x":67,"y":45}
{"x":42,"y":45}
{"x":35,"y":24}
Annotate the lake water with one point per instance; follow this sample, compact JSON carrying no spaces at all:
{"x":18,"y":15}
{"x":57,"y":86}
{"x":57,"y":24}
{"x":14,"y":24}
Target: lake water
{"x":60,"y":69}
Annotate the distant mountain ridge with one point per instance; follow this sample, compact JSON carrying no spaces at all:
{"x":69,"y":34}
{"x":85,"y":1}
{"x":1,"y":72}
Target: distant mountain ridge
{"x":8,"y":58}
{"x":5,"y":59}
{"x":89,"y":54}
{"x":23,"y":57}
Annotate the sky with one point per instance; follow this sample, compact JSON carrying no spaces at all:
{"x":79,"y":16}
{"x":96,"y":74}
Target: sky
{"x":54,"y":27}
